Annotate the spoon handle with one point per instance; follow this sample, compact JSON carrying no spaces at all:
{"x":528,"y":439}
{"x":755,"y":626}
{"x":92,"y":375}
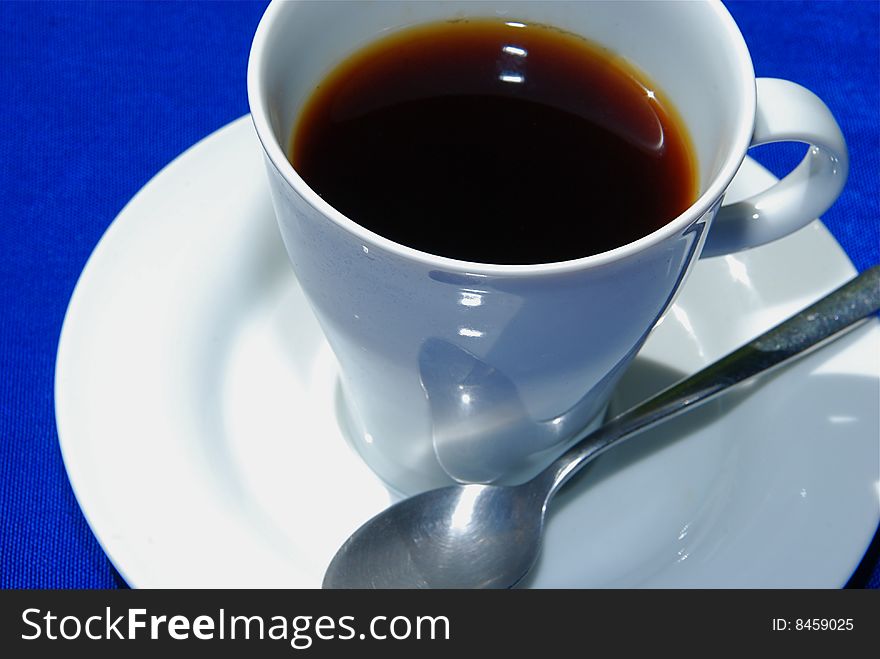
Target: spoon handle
{"x":840,"y":310}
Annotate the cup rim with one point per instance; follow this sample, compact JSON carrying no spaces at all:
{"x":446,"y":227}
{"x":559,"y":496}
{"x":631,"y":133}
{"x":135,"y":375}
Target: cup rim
{"x":713,"y":192}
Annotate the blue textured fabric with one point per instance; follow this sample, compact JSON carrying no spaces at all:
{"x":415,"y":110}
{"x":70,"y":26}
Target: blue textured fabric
{"x":98,"y":97}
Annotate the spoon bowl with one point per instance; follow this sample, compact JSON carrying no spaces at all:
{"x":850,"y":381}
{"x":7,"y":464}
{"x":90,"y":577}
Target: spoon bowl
{"x":471,"y":536}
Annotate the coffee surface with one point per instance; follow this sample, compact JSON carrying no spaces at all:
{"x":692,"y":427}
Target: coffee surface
{"x":495,"y":142}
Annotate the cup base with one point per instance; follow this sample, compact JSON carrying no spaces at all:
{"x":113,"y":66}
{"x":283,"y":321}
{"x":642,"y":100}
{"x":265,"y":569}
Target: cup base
{"x":403,"y":481}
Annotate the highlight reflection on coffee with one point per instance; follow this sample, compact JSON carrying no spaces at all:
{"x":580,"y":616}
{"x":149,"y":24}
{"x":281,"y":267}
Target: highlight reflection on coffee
{"x":496,"y":142}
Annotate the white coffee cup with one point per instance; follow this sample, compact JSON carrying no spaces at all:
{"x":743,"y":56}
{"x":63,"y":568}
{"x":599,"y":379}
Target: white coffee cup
{"x":476,"y":372}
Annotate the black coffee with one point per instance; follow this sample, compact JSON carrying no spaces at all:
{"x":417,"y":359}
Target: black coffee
{"x":495,"y":142}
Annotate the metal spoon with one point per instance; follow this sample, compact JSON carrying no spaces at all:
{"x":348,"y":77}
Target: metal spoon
{"x":488,"y":536}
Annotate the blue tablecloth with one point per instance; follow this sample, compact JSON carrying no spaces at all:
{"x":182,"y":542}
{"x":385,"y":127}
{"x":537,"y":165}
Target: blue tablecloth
{"x":95,"y":98}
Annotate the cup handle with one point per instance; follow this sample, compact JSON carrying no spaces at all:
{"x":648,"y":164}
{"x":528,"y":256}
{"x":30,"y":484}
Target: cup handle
{"x":786,"y":112}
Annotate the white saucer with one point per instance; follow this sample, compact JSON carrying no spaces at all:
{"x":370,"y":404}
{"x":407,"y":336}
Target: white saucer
{"x":198,"y":413}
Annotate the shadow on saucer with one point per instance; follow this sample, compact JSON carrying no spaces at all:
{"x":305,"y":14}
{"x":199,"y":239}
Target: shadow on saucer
{"x":807,"y":430}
